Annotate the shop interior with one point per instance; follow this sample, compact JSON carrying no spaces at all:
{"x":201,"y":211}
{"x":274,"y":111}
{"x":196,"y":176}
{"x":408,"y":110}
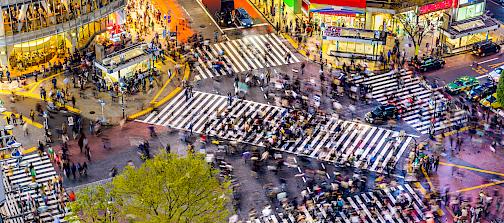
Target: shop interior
{"x":37,"y":14}
{"x":36,"y":52}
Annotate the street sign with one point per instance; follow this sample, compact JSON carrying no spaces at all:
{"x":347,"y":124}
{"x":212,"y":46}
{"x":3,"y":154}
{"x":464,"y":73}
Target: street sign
{"x":169,"y":18}
{"x":164,"y":33}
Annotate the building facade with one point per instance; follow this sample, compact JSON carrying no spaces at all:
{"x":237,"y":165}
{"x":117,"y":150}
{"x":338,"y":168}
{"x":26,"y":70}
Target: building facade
{"x":36,"y":32}
{"x":466,"y":24}
{"x":455,"y":24}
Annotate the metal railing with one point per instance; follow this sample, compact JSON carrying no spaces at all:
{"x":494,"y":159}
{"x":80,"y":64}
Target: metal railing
{"x":62,"y":27}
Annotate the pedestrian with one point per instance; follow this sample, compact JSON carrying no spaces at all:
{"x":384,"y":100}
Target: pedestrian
{"x":168,"y":148}
{"x":79,"y":169}
{"x":71,"y":122}
{"x":436,"y":163}
{"x":88,"y":153}
{"x":7,"y":119}
{"x":73,"y":168}
{"x":7,"y":74}
{"x":50,"y":151}
{"x":230,"y":99}
{"x":13,"y":119}
{"x":80,"y":142}
{"x":25,"y":129}
{"x":84,"y":168}
{"x":73,"y":101}
{"x":54,"y":81}
{"x":32,"y":115}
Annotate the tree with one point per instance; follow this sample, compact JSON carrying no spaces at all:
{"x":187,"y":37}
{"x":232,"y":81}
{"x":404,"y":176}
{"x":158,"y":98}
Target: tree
{"x":94,"y":205}
{"x":500,"y":90}
{"x":166,"y":188}
{"x":415,"y":28}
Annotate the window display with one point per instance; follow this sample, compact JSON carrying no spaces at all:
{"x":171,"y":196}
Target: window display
{"x":470,"y":11}
{"x":36,"y":14}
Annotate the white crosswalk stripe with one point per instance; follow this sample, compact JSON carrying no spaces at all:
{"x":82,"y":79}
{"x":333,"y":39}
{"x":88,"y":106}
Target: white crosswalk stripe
{"x":332,"y":140}
{"x":422,"y":112}
{"x":19,"y":186}
{"x":373,"y":205}
{"x":378,"y":206}
{"x":242,"y":55}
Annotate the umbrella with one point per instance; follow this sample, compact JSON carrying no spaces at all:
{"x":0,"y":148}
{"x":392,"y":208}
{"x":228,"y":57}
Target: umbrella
{"x":233,"y":219}
{"x":337,"y":105}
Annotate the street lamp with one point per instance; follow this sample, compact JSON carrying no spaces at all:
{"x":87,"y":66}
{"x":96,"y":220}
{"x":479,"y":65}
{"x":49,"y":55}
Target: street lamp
{"x":102,"y":104}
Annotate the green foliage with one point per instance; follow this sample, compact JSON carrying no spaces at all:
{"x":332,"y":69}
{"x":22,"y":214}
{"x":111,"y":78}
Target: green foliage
{"x":500,"y":90}
{"x":166,"y":188}
{"x":94,"y":205}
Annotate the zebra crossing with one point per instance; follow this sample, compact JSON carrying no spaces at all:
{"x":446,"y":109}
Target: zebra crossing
{"x":421,"y":114}
{"x":245,"y":54}
{"x":333,"y":140}
{"x":23,"y":195}
{"x":372,"y":204}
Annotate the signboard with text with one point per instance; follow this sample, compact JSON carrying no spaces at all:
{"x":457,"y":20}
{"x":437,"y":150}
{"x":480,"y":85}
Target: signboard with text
{"x":345,"y":3}
{"x":446,"y":4}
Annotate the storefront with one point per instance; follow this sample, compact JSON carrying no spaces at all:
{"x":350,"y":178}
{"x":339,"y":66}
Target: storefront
{"x":344,"y":13}
{"x":466,"y":25}
{"x":428,"y":14}
{"x":124,"y":63}
{"x":462,"y":35}
{"x":35,"y":32}
{"x":357,"y":43}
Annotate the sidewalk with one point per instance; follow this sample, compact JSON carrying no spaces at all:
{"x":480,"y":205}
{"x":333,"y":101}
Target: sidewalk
{"x":87,"y":103}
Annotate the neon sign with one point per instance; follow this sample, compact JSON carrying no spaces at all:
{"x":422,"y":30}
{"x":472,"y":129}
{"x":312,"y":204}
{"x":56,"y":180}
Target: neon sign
{"x":446,"y":4}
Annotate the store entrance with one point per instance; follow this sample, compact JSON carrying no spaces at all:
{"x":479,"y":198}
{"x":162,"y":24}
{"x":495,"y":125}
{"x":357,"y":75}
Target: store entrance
{"x":29,"y":56}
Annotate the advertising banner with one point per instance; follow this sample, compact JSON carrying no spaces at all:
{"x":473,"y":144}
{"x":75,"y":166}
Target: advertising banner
{"x":345,"y":3}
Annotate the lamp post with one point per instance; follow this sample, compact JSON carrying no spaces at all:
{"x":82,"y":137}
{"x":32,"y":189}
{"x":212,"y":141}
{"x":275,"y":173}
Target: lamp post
{"x":102,"y":104}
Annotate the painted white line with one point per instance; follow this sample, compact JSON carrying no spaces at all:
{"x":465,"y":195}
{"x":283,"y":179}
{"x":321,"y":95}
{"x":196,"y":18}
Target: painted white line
{"x":210,"y":16}
{"x":486,"y":61}
{"x":482,"y":76}
{"x":242,"y":27}
{"x":187,"y":12}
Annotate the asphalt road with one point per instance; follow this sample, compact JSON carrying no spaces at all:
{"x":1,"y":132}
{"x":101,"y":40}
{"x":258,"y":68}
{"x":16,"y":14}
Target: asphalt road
{"x":496,"y":9}
{"x":460,"y":65}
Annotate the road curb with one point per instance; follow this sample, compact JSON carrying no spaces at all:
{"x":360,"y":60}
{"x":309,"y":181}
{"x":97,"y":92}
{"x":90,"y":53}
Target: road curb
{"x":168,"y":97}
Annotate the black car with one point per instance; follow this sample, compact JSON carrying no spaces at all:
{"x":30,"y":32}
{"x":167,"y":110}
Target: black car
{"x":481,"y":91}
{"x":429,"y":63}
{"x":382,"y":113}
{"x":485,"y":48}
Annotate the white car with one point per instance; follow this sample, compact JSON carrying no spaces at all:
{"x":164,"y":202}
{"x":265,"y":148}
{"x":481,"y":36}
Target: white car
{"x":495,"y":74}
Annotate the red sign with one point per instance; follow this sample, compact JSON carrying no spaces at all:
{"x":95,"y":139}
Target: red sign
{"x":346,"y":3}
{"x":446,"y":4}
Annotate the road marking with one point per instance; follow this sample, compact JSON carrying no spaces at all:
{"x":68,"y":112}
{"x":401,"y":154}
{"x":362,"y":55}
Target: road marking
{"x":213,"y":20}
{"x":482,"y":76}
{"x":428,"y":180}
{"x":472,"y":168}
{"x":187,"y":12}
{"x":480,"y":70}
{"x":496,"y":64}
{"x":242,"y":27}
{"x":486,"y":61}
{"x":478,"y":187}
{"x":26,"y":119}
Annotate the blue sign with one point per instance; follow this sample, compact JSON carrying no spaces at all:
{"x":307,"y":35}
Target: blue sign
{"x":164,"y":33}
{"x":169,"y":18}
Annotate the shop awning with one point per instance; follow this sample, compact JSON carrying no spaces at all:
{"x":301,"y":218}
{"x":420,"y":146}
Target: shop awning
{"x":470,"y":26}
